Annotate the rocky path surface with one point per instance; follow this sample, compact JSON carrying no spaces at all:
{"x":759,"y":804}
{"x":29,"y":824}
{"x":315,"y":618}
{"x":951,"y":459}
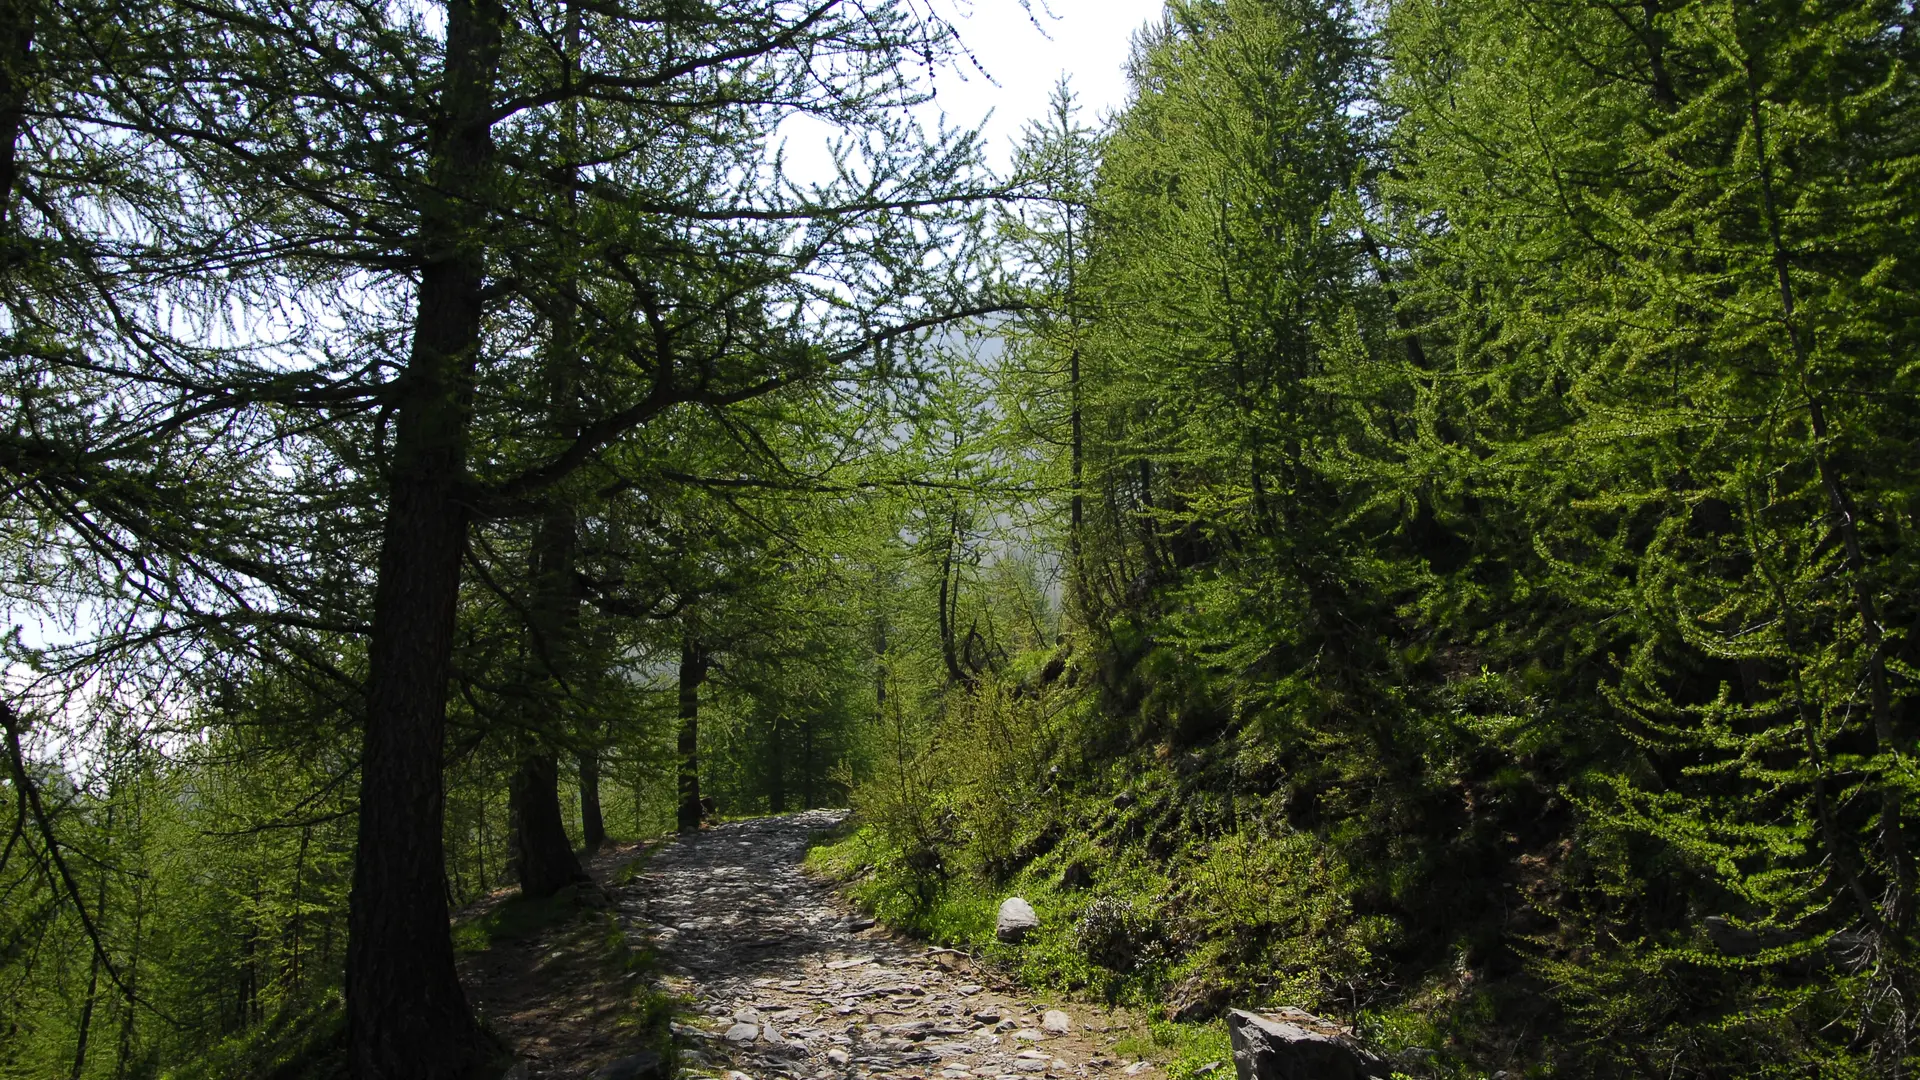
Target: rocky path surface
{"x":786,"y":981}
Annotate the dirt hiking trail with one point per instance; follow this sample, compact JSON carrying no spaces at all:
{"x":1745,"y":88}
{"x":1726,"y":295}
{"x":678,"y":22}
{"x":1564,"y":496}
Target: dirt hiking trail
{"x":779,"y":978}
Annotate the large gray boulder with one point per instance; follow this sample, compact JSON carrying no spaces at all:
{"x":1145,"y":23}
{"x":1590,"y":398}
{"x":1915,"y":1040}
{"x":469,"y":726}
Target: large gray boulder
{"x":1295,"y":1045}
{"x":1016,"y":920}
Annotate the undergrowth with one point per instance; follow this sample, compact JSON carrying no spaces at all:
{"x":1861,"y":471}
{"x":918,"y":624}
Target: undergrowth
{"x":1180,"y":870}
{"x":309,"y":1043}
{"x":304,"y":1043}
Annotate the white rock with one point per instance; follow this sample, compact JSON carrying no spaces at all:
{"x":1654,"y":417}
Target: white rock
{"x":1056,"y":1022}
{"x":1027,"y":1035}
{"x":838,"y":1056}
{"x":1137,"y":1068}
{"x":1016,"y":920}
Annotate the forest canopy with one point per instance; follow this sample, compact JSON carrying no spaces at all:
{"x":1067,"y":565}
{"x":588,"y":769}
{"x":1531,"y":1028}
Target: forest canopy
{"x":1406,"y":519}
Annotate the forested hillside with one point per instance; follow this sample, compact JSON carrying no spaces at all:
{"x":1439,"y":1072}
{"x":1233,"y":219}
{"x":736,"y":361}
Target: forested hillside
{"x":1409,"y":519}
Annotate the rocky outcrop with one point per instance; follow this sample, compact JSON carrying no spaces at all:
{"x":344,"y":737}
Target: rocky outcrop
{"x":1294,"y":1045}
{"x":1077,"y":875}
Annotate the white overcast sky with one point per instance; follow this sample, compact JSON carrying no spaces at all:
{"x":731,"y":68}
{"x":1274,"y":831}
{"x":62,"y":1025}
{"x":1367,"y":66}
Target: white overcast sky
{"x":1086,"y":40}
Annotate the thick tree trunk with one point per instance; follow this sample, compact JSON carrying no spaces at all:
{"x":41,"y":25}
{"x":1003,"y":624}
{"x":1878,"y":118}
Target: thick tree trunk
{"x":406,"y":1013}
{"x":776,"y":771}
{"x":17,"y":18}
{"x":949,"y":601}
{"x":543,"y":856}
{"x":407,"y":1017}
{"x":693,"y":672}
{"x":557,"y":604}
{"x":593,"y":825}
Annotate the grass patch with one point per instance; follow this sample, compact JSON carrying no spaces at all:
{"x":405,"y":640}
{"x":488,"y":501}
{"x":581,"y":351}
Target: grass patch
{"x":307,"y":1042}
{"x":628,"y":872}
{"x":952,"y":911}
{"x":960,"y":910}
{"x":649,"y":1011}
{"x":1189,"y":1048}
{"x":515,"y":918}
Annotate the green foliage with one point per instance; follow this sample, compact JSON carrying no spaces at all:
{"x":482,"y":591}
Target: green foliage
{"x":515,"y":918}
{"x":1194,"y":1047}
{"x":1428,"y":538}
{"x":1490,"y":618}
{"x":889,"y":887}
{"x":298,"y":1044}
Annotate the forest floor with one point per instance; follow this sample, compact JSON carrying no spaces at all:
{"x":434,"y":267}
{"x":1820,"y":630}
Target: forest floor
{"x":770,"y":975}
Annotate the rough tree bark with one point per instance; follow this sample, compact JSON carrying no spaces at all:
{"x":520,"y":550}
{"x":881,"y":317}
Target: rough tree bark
{"x":777,"y":769}
{"x":17,"y":19}
{"x":593,"y":823}
{"x":693,"y":672}
{"x":543,"y":856}
{"x":407,"y":1017}
{"x":563,"y":379}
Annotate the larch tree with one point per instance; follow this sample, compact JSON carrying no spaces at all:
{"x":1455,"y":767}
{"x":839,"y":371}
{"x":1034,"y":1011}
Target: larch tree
{"x":389,"y":165}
